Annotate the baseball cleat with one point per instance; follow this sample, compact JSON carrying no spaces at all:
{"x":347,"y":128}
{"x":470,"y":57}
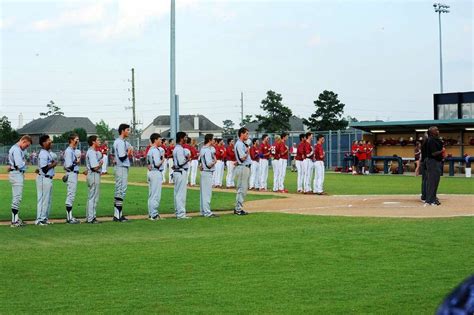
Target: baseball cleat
{"x":212,"y":216}
{"x":41,"y":223}
{"x":73,"y":221}
{"x":154,"y":218}
{"x":16,"y":224}
{"x":93,"y":221}
{"x":241,"y":212}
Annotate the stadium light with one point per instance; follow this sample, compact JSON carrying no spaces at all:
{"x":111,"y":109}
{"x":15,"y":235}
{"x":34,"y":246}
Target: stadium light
{"x":470,"y":129}
{"x":377,"y":131}
{"x":421,"y":130}
{"x":440,"y":8}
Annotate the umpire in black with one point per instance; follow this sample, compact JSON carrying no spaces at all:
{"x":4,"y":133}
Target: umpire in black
{"x":434,"y":157}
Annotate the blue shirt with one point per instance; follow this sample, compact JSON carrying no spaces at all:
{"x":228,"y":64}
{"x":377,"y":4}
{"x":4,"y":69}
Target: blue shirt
{"x":121,"y":151}
{"x":207,"y":156}
{"x":155,"y":158}
{"x":93,"y":158}
{"x":242,"y":153}
{"x":70,"y":160}
{"x":44,"y":159}
{"x":179,"y":158}
{"x":16,"y":158}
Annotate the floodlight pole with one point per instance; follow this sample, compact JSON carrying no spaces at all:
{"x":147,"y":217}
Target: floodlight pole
{"x":174,"y":121}
{"x":440,"y":8}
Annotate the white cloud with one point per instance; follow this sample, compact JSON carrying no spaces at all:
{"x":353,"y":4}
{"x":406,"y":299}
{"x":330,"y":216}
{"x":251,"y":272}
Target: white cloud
{"x":314,"y":40}
{"x":6,"y":23}
{"x":73,"y":17}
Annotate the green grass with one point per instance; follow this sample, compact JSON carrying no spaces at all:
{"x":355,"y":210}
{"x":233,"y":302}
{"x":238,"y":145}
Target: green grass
{"x":262,"y":263}
{"x":135,"y":201}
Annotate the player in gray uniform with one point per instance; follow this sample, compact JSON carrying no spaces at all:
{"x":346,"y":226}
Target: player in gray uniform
{"x":181,"y":158}
{"x":16,"y":170}
{"x":72,"y":173}
{"x":123,"y":150}
{"x":94,"y":162}
{"x":44,"y":181}
{"x":155,"y":159}
{"x":207,"y":157}
{"x":242,"y":170}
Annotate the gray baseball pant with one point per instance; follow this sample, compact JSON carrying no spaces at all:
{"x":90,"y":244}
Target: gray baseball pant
{"x":155,"y":181}
{"x":206,"y":193}
{"x":16,"y":179}
{"x":93,"y":183}
{"x":180,"y":179}
{"x":44,"y":190}
{"x":242,"y":174}
{"x":71,"y":188}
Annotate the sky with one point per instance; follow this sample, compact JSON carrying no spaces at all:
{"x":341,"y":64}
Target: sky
{"x":380,"y":57}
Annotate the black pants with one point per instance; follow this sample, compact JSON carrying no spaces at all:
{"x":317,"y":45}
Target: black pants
{"x":424,"y":177}
{"x":433,"y":170}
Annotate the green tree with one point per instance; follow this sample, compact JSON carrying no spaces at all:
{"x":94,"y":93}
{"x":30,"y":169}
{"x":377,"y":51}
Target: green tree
{"x":64,"y":138}
{"x":247,"y":120}
{"x":228,"y":126}
{"x":52,"y":110}
{"x":328,"y":115}
{"x":277,"y":118}
{"x":103,"y":131}
{"x":7,"y":134}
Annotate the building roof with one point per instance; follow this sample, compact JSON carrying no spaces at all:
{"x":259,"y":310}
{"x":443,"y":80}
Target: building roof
{"x":57,"y":124}
{"x":296,"y":124}
{"x":412,"y":125}
{"x":186,"y":122}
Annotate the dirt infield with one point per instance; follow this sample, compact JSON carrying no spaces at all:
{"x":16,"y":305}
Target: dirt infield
{"x":397,"y":206}
{"x":406,"y":206}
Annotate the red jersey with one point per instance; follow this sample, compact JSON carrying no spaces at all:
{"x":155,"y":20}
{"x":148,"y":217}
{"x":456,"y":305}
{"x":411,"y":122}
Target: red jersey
{"x":265,"y":150}
{"x":220,"y":152}
{"x":282,"y":150}
{"x":103,"y":149}
{"x":370,"y":148}
{"x":254,"y":153}
{"x":300,"y":151}
{"x":355,"y":149}
{"x":307,"y":150}
{"x":194,"y":152}
{"x":169,"y":152}
{"x":362,"y":155}
{"x":318,"y":152}
{"x":230,"y":154}
{"x":274,"y":153}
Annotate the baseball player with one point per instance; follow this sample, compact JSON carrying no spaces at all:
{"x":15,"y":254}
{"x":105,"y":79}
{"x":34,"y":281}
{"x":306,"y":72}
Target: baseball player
{"x":208,"y":160}
{"x":123,"y":152}
{"x":16,"y":175}
{"x":255,"y":168}
{"x":275,"y":154}
{"x":44,"y":181}
{"x":181,"y":158}
{"x":319,"y":155}
{"x":220,"y":156}
{"x":230,"y":163}
{"x":264,"y":156}
{"x":94,"y":163}
{"x":299,"y":162}
{"x":242,"y":170}
{"x":194,"y":164}
{"x":308,"y":163}
{"x":169,"y":158}
{"x":104,"y":149}
{"x":155,"y":160}
{"x":164,"y":147}
{"x":71,"y":166}
{"x":283,"y":152}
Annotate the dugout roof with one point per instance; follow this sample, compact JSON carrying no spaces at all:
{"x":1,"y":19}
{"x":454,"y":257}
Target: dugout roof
{"x":413,"y":125}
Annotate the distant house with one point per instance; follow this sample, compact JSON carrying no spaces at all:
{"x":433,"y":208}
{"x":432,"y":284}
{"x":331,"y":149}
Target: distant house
{"x":296,"y":123}
{"x":56,"y":125}
{"x":196,"y":126}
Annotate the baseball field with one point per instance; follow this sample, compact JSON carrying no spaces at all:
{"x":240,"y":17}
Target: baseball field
{"x":293,"y":254}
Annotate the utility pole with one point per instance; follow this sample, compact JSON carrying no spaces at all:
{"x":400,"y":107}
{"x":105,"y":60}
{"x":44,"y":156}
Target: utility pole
{"x":134,"y":121}
{"x":242,"y":109}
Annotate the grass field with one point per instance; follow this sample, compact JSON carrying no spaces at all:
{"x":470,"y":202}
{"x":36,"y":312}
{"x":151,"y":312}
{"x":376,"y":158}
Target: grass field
{"x":261,"y":263}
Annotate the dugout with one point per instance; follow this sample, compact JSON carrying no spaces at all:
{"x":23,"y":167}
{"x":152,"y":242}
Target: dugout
{"x":453,"y":115}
